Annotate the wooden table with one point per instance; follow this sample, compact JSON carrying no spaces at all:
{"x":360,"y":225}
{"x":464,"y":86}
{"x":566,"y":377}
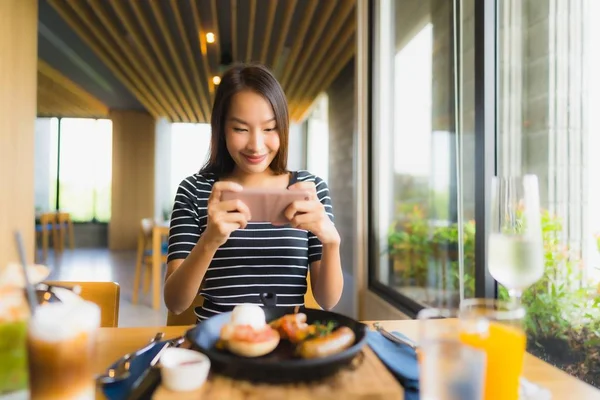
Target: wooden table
{"x":114,"y":342}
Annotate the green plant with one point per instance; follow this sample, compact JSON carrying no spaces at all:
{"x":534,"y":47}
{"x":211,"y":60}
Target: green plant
{"x":562,"y":305}
{"x":408,"y":244}
{"x":415,"y":246}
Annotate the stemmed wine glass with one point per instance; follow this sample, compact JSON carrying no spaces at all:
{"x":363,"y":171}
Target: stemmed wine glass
{"x":516,"y":258}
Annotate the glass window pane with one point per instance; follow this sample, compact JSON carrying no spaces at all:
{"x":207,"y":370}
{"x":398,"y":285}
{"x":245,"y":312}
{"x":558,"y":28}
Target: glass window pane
{"x":423,"y":151}
{"x":102,"y":170}
{"x":76,"y":169}
{"x":190,"y":144}
{"x":53,"y":171}
{"x":317,"y":152}
{"x":85,"y":168}
{"x":549,"y":95}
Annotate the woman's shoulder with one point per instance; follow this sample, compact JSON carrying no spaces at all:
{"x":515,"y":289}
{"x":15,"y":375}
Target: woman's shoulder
{"x":320,"y":184}
{"x":201,"y":182}
{"x":303,"y":175}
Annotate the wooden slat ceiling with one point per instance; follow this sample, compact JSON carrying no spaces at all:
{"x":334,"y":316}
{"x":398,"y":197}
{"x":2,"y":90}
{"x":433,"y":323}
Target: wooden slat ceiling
{"x":57,"y":96}
{"x":159,"y":49}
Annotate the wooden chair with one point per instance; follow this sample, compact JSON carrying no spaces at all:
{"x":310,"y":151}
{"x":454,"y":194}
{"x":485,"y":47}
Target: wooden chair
{"x":309,"y":298}
{"x":187,"y":317}
{"x":105,"y":294}
{"x":43,"y":230}
{"x":64,"y":226}
{"x":150,"y":238}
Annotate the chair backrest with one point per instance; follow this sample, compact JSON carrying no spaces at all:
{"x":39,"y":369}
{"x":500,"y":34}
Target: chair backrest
{"x":187,"y":317}
{"x":62,"y":217}
{"x":146,"y":225}
{"x":48,"y":218}
{"x":309,"y":298}
{"x":105,"y":294}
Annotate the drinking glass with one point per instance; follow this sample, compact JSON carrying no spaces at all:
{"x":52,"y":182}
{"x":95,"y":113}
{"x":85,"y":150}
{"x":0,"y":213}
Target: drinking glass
{"x":496,"y":327}
{"x":61,"y":348}
{"x":516,"y":258}
{"x":14,"y":317}
{"x":448,"y":369}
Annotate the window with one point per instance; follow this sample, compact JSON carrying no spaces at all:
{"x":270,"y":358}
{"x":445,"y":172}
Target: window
{"x":450,"y":109}
{"x":548,"y":125}
{"x":190,"y":144}
{"x":85,"y":168}
{"x":317,"y":139}
{"x":73,"y":168}
{"x":422,"y":161}
{"x":45,"y":163}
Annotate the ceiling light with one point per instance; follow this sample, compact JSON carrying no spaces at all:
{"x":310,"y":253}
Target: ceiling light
{"x":210,"y":37}
{"x":216,"y":79}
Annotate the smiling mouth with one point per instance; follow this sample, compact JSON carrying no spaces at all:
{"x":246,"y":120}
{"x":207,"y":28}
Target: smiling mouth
{"x":255,"y":159}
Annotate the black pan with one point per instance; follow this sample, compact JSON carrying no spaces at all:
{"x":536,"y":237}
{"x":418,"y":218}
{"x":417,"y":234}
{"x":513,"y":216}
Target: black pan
{"x":280,"y":365}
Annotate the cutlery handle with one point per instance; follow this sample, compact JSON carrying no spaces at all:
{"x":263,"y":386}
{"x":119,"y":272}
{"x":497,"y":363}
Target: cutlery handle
{"x":149,"y":383}
{"x":148,"y":379}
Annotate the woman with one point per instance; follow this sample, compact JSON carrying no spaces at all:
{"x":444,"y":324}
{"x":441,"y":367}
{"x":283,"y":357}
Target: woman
{"x":211,"y":242}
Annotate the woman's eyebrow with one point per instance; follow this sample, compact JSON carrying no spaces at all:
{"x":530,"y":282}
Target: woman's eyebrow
{"x":241,"y":121}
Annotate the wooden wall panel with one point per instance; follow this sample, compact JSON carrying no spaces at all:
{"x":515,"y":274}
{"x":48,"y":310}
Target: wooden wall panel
{"x":18,"y":71}
{"x":58,"y":96}
{"x":132,"y":176}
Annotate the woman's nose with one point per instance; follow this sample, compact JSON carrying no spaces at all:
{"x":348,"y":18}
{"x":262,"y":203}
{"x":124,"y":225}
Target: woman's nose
{"x":256,"y":141}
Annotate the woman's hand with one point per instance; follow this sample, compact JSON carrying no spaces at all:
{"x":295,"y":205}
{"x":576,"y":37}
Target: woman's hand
{"x":224,"y":217}
{"x":310,"y":215}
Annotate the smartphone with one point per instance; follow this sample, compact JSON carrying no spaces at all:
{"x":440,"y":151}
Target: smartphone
{"x":267,"y":205}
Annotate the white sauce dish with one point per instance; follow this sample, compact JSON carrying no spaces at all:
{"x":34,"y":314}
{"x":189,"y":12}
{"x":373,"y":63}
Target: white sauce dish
{"x":183,"y":370}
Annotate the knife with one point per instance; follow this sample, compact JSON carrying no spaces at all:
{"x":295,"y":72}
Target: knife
{"x":148,"y":381}
{"x":394,"y":338}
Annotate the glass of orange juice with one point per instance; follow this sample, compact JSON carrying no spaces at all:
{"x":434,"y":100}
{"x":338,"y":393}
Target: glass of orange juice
{"x":448,"y":369}
{"x":496,"y":327}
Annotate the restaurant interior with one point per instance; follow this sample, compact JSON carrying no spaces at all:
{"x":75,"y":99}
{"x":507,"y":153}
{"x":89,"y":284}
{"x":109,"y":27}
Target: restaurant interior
{"x":456,"y":140}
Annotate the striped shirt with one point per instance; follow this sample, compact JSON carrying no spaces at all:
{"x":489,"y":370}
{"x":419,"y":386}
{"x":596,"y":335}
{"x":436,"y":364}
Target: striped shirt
{"x":261,"y":258}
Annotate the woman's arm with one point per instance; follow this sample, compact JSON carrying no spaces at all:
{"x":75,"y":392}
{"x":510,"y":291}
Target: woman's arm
{"x":326,"y":278}
{"x":191,"y":248}
{"x":316,"y":216}
{"x":185,"y":276}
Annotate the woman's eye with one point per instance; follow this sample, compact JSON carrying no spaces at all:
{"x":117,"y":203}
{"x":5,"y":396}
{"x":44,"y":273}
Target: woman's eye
{"x":239,"y":129}
{"x":271,"y":129}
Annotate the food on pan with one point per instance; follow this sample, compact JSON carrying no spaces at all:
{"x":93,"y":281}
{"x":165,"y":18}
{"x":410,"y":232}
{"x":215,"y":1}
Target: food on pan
{"x":326,"y":345}
{"x":292,"y":327}
{"x":247,"y":334}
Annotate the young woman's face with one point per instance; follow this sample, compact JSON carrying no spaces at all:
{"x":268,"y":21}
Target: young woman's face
{"x":251,"y":132}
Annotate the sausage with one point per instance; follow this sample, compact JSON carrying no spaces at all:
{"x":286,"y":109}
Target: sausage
{"x":335,"y":342}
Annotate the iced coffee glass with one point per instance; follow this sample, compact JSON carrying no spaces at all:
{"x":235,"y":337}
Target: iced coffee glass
{"x":61,"y":345}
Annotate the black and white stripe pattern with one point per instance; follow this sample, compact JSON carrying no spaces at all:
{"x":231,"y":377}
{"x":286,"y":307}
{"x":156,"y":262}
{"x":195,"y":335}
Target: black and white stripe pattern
{"x":260,"y":258}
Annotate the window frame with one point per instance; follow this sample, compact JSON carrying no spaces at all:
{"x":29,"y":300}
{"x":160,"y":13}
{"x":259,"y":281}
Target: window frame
{"x":485,"y":64}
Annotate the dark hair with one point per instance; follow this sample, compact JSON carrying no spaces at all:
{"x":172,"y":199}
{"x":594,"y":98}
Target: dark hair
{"x":257,"y":78}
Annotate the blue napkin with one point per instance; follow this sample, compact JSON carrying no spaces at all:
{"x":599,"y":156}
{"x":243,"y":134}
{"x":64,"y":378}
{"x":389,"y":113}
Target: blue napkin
{"x":120,"y":390}
{"x":400,"y":360}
